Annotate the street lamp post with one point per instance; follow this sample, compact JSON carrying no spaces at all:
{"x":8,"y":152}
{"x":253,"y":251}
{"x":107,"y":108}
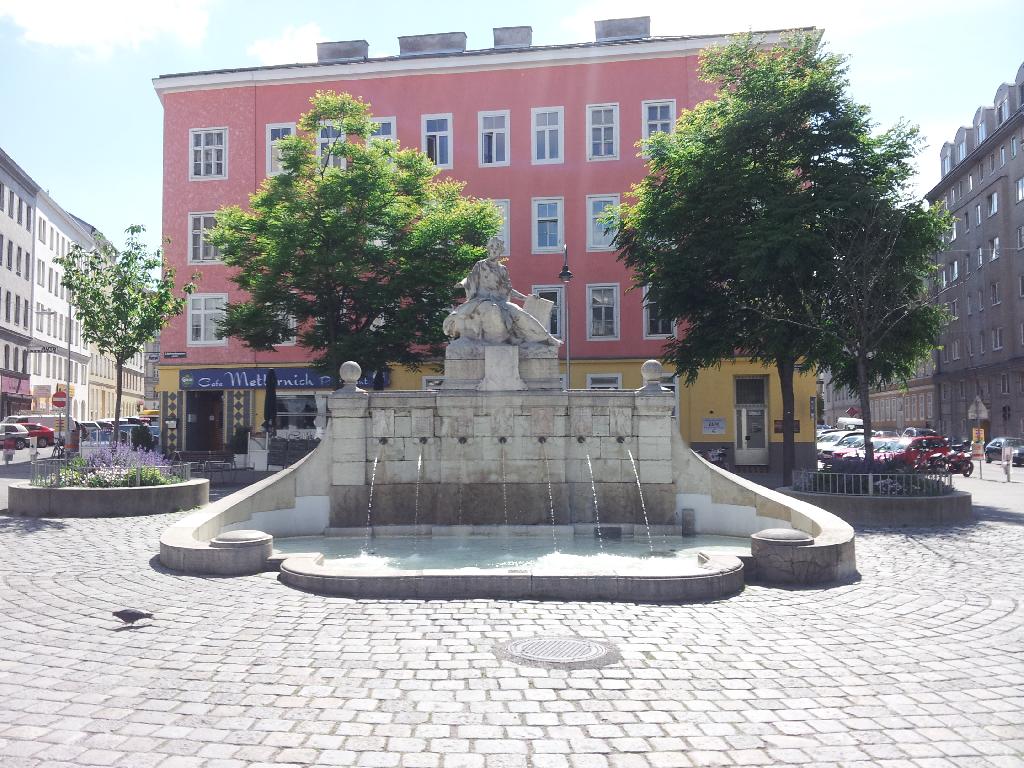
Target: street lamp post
{"x":565,"y":276}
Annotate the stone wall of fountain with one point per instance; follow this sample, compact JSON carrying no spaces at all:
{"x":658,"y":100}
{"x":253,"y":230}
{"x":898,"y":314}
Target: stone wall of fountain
{"x":516,"y":458}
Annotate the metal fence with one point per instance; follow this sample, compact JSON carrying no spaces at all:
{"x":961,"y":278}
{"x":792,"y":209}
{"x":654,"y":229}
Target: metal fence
{"x":874,"y":484}
{"x":53,"y":473}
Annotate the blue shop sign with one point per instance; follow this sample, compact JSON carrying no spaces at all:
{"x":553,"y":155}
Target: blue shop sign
{"x":252,"y":378}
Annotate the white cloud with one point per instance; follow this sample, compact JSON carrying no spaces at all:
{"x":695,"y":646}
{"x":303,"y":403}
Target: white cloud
{"x":293,"y":45}
{"x":101,"y":27}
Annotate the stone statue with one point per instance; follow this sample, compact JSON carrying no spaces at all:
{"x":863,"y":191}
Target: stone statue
{"x":488,"y":316}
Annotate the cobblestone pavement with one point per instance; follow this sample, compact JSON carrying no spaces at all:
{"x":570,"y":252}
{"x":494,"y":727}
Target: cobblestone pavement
{"x":921,"y":663}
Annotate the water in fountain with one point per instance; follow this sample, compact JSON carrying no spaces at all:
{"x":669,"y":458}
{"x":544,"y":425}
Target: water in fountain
{"x":643,"y":506}
{"x":551,"y":498}
{"x":462,"y":476}
{"x":597,"y":512}
{"x":369,"y":503}
{"x":419,"y":473}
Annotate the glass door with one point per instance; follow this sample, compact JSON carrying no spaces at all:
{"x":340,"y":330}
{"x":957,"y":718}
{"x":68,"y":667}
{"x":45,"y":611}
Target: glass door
{"x":751,"y":421}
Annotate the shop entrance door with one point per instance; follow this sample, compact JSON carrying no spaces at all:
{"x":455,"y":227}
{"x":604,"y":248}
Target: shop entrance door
{"x":205,"y":421}
{"x":751,"y":419}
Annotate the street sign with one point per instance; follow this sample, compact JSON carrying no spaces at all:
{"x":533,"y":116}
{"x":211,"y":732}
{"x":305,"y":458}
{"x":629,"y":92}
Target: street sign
{"x":977,"y":409}
{"x":59,"y":400}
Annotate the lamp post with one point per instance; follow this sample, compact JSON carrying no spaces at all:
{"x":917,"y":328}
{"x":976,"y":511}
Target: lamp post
{"x":565,"y":276}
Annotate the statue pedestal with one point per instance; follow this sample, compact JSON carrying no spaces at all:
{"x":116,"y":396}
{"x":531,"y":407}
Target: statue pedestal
{"x":494,"y":367}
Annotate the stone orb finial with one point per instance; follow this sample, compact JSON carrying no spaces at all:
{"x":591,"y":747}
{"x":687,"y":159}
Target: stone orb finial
{"x":349,"y":373}
{"x":651,"y":372}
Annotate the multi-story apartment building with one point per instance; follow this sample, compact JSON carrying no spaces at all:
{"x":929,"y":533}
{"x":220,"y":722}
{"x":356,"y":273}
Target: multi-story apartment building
{"x":548,"y":133}
{"x":151,"y":375}
{"x":103,"y":381}
{"x":63,"y":360}
{"x":981,"y":277}
{"x":18,"y":193}
{"x":910,"y":406}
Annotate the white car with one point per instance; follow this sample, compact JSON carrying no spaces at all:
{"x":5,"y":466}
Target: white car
{"x":18,"y":431}
{"x":827,"y":441}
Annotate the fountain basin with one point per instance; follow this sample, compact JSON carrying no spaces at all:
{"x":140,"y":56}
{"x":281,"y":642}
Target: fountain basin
{"x":449,"y":564}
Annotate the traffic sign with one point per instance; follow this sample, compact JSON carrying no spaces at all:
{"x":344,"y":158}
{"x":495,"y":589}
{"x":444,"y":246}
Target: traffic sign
{"x":59,"y":399}
{"x":977,"y":410}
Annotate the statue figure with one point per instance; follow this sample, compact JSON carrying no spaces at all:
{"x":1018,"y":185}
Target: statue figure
{"x":488,"y":316}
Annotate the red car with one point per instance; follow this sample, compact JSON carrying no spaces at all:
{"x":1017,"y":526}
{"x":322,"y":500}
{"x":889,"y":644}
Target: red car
{"x":43,"y":435}
{"x":918,"y":451}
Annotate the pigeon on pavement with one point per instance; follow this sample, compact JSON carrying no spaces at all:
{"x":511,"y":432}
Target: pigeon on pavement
{"x":131,"y":615}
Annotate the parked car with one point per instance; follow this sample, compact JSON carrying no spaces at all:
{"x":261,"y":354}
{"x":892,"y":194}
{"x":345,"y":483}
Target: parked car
{"x":51,"y":420}
{"x":44,"y":435}
{"x":18,"y":431}
{"x":828,"y":442}
{"x":994,"y":450}
{"x":850,"y":441}
{"x":885,"y":433}
{"x":918,"y":432}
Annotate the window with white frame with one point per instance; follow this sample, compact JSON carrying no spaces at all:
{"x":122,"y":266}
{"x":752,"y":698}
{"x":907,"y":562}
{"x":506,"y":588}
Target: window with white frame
{"x":276,"y":132}
{"x":993,"y":249}
{"x":997,"y":338}
{"x":981,"y":257}
{"x":204,"y":312}
{"x":1020,"y":238}
{"x":1003,"y":111}
{"x":602,"y":131}
{"x":656,"y":326}
{"x":603,"y":304}
{"x":977,"y":213}
{"x":954,"y":270}
{"x":384,"y":128}
{"x":604,"y":381}
{"x":209,"y":153}
{"x":982,"y":131}
{"x":548,"y":143}
{"x":493,"y":137}
{"x":993,"y":204}
{"x":599,"y":234}
{"x":328,"y":144}
{"x":1013,"y":146}
{"x":1002,"y":156}
{"x":504,"y":208}
{"x":1004,"y":383}
{"x":547,"y":224}
{"x":947,"y":164}
{"x":994,"y":292}
{"x":437,"y":139}
{"x":658,"y":116}
{"x":293,"y":328}
{"x":554,"y":294}
{"x":961,"y":151}
{"x":201,"y":250}
{"x":956,"y":349}
{"x":1020,"y":189}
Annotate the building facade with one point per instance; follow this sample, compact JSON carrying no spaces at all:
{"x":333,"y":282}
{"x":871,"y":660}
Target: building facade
{"x":981,"y":271}
{"x":548,"y":133}
{"x":910,"y":406}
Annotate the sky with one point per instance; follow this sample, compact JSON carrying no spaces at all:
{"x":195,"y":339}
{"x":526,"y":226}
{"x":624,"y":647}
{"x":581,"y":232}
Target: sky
{"x":79,"y":114}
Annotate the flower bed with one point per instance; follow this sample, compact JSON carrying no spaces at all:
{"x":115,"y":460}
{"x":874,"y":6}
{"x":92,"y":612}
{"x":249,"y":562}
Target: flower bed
{"x":118,"y":466}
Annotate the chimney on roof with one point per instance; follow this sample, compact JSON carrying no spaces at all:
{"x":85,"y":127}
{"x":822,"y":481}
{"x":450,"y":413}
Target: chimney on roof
{"x":342,"y":50}
{"x":635,"y":28}
{"x":424,"y":45}
{"x":513,"y":37}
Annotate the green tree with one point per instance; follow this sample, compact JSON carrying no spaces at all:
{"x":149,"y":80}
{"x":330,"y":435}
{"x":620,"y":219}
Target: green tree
{"x":119,"y":301}
{"x":726,"y":227}
{"x":354,"y":249}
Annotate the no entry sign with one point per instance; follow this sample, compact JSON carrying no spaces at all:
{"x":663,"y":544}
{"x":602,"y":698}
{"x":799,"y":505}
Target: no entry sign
{"x":59,"y":400}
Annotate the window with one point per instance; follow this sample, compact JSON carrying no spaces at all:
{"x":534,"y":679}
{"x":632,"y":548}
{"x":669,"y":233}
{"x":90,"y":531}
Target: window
{"x":994,"y":292}
{"x":981,"y":300}
{"x":552,"y":293}
{"x":547,"y":224}
{"x":504,"y":208}
{"x":276,"y":132}
{"x":982,"y":132}
{"x":993,"y":204}
{"x":954,"y":270}
{"x":603,"y":301}
{"x":296,"y":412}
{"x":548,"y":139}
{"x":204,"y":311}
{"x":201,"y":250}
{"x":993,"y":249}
{"x":1021,"y":288}
{"x":41,"y":229}
{"x":961,"y":151}
{"x":437,"y":138}
{"x":968,"y":303}
{"x":604,"y":381}
{"x":17,"y":263}
{"x":1002,"y":156}
{"x":602,"y":131}
{"x":1013,"y":146}
{"x":997,"y":338}
{"x":977,"y":214}
{"x":956,"y":349}
{"x":493,"y":137}
{"x":981,"y":258}
{"x":1003,"y":111}
{"x":981,"y":342}
{"x":970,"y":182}
{"x":17,"y":309}
{"x":1020,"y":189}
{"x":953,"y":306}
{"x":1004,"y":383}
{"x":385,"y":129}
{"x":953,"y":230}
{"x":659,"y":116}
{"x":1020,"y":238}
{"x":947,"y":164}
{"x":328,"y":142}
{"x":967,"y":223}
{"x":209,"y":153}
{"x":599,"y":236}
{"x":655,"y":325}
{"x":970,"y":347}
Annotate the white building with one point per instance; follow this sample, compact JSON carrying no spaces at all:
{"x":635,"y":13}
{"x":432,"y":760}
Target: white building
{"x":57,"y":232}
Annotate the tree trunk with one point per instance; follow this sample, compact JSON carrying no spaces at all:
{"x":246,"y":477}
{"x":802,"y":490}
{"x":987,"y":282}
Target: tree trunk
{"x":865,"y":407}
{"x":116,"y":437}
{"x":786,"y":367}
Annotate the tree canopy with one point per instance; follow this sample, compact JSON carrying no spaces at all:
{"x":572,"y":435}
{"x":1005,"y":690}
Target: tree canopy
{"x":119,"y":300}
{"x":353,"y":249}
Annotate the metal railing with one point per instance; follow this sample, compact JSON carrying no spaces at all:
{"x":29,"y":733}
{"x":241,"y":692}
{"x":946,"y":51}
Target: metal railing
{"x":874,"y":484}
{"x":54,"y":473}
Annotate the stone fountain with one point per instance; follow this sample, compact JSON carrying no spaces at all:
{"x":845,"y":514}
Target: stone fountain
{"x":500,"y":445}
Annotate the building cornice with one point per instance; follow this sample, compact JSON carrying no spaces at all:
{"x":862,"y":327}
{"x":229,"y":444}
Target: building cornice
{"x":18,"y":173}
{"x":450,"y":63}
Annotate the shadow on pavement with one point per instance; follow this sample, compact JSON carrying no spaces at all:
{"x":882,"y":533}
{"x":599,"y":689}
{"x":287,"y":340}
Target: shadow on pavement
{"x":25,"y":526}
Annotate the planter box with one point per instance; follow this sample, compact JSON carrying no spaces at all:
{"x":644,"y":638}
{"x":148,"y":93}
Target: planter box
{"x":27,"y":500}
{"x":892,"y":511}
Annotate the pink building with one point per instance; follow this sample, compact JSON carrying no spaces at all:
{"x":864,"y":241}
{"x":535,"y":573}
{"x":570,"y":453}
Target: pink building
{"x":547,"y":132}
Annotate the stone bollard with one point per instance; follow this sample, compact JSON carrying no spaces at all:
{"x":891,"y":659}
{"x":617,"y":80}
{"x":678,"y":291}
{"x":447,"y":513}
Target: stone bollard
{"x":239,"y":553}
{"x":778,"y":558}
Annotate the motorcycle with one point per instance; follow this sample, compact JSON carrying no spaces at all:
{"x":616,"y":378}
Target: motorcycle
{"x":957,"y":462}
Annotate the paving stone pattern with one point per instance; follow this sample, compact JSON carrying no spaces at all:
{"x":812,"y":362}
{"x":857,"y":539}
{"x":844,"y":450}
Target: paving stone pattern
{"x":919,"y":664}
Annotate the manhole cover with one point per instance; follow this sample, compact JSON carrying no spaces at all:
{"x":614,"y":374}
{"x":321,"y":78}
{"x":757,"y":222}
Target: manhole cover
{"x":551,"y":650}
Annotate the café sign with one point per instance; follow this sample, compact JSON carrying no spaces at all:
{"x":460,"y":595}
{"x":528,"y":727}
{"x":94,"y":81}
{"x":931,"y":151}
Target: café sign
{"x":252,"y":378}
